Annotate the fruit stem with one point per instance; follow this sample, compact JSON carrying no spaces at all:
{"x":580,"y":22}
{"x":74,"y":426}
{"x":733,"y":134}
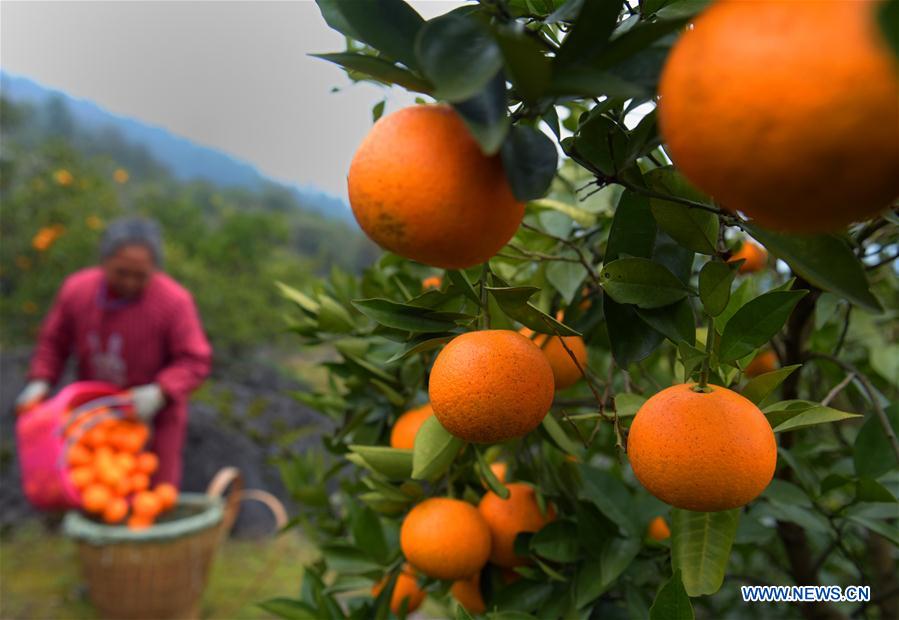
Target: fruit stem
{"x":484,"y":316}
{"x":704,"y":373}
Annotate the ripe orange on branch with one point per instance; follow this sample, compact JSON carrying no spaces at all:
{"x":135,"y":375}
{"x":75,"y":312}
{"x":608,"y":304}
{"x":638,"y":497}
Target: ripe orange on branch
{"x":507,"y":518}
{"x":702,"y":451}
{"x":786,"y":111}
{"x":405,"y":589}
{"x":406,"y":427}
{"x":490,"y":385}
{"x":420,"y":187}
{"x":754,"y":257}
{"x":565,"y":371}
{"x":445,"y":538}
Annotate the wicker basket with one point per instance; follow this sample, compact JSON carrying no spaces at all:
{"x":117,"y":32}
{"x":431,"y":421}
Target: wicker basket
{"x":160,"y":572}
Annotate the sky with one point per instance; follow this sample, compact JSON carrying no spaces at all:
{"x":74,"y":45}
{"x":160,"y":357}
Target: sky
{"x":235,"y":76}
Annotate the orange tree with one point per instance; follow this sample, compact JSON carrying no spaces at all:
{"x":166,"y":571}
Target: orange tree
{"x":574,"y":387}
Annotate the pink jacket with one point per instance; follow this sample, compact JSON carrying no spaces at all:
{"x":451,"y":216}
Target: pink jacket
{"x":157,"y":338}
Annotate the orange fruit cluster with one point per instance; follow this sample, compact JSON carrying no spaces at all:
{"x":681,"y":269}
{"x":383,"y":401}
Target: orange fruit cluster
{"x":110,"y":468}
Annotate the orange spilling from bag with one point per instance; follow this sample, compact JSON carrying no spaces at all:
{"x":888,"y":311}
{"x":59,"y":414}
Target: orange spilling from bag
{"x":111,"y":469}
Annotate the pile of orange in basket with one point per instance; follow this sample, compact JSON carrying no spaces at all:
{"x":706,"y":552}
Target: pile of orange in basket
{"x":111,"y":469}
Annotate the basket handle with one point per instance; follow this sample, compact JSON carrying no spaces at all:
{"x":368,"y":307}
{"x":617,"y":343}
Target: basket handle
{"x":272,"y":502}
{"x":227,"y":478}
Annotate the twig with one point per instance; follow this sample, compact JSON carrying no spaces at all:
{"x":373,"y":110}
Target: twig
{"x":872,"y":396}
{"x":484,"y":316}
{"x":844,"y":332}
{"x":838,"y":388}
{"x":568,"y":243}
{"x":576,"y":429}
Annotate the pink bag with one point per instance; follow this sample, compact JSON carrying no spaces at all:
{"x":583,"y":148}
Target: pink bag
{"x":43,"y":445}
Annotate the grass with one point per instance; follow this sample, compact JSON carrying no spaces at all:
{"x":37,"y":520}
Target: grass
{"x":39,"y":576}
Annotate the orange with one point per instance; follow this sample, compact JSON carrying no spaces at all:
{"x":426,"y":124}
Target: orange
{"x":432,"y":282}
{"x":499,"y":470}
{"x":658,"y":529}
{"x":167,"y":494}
{"x":702,"y":451}
{"x":78,"y":455}
{"x":445,"y":538}
{"x":757,"y":114}
{"x":123,"y":487}
{"x":405,"y":589}
{"x":765,"y":361}
{"x":95,"y":437}
{"x":130,"y":437}
{"x":420,"y":187}
{"x":116,"y":510}
{"x":491,"y":385}
{"x":756,"y":257}
{"x":146,"y":504}
{"x":507,"y":518}
{"x":125,"y":461}
{"x":468,"y":593}
{"x":406,"y":427}
{"x":565,"y":371}
{"x":139,"y":522}
{"x":109,"y":473}
{"x":95,"y":498}
{"x":147,"y":462}
{"x":139,"y":482}
{"x":81,"y":476}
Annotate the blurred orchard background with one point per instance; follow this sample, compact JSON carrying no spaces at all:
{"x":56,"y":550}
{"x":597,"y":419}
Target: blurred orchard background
{"x":69,"y":165}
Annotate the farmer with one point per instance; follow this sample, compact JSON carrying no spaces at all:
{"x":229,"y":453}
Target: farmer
{"x":129,"y":324}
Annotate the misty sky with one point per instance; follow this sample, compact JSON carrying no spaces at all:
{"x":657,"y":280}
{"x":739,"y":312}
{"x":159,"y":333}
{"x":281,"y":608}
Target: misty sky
{"x":230,"y":75}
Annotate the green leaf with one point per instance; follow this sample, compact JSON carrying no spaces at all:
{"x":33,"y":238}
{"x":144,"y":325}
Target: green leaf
{"x":603,"y":143}
{"x":715,"y":280}
{"x":756,"y":323}
{"x":627,"y":404}
{"x":529,"y":159}
{"x":377,"y":110}
{"x":590,"y":34}
{"x":872,"y":454}
{"x":458,"y":54}
{"x":789,"y":415}
{"x":700,"y":547}
{"x":672,"y":602}
{"x":760,"y":387}
{"x":581,"y":216}
{"x":826,"y":261}
{"x":868,"y":490}
{"x":527,"y":67}
{"x":368,"y":534}
{"x":487,"y":475}
{"x":630,"y":337}
{"x":348,"y":560}
{"x":559,"y":436}
{"x":391,"y":462}
{"x":597,"y":576}
{"x":462,"y":613}
{"x":462,"y":283}
{"x":301,"y":299}
{"x":434,"y":451}
{"x":409,"y":318}
{"x":887,"y":18}
{"x":676,"y":321}
{"x":633,"y":230}
{"x":289,"y":609}
{"x":379,"y":69}
{"x":690,"y":358}
{"x":885,"y":529}
{"x":420,"y":346}
{"x":513,"y":301}
{"x":641,"y":282}
{"x":694,"y":228}
{"x":334,"y":318}
{"x":566,"y":277}
{"x":485,"y":115}
{"x":391,"y":29}
{"x":557,"y":542}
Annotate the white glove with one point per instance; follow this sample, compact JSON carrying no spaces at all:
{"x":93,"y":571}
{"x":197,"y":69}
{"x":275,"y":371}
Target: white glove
{"x":148,"y":400}
{"x":33,"y":393}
